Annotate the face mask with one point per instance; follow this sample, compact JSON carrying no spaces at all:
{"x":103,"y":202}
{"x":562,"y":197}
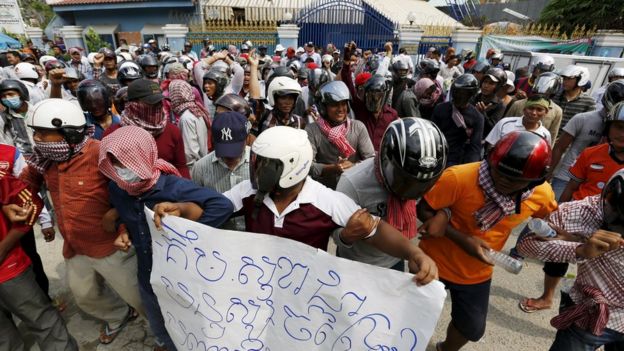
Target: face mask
{"x":127,"y":175}
{"x":12,"y":102}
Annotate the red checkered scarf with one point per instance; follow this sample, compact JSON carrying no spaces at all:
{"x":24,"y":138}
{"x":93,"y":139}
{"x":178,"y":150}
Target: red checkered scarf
{"x":497,"y":206}
{"x":45,"y":153}
{"x":136,"y":149}
{"x":149,"y":117}
{"x":337,"y":135}
{"x":401,"y":213}
{"x":591,"y":315}
{"x":182,"y":99}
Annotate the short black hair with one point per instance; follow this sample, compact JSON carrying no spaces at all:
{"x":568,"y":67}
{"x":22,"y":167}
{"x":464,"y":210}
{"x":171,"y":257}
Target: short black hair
{"x":402,"y":51}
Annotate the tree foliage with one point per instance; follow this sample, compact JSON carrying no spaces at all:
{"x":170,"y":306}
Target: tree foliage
{"x":604,"y":14}
{"x":36,"y":13}
{"x":94,"y":41}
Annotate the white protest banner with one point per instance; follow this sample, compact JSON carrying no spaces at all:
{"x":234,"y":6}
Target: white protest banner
{"x":224,"y":290}
{"x":11,"y":17}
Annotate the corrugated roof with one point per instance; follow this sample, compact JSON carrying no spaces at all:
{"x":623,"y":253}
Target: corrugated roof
{"x":87,"y":2}
{"x":396,"y":11}
{"x":255,"y":9}
{"x":424,"y":13}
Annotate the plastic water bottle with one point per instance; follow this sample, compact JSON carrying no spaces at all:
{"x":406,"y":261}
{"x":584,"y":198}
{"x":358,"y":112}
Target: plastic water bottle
{"x":507,"y":262}
{"x":541,"y":228}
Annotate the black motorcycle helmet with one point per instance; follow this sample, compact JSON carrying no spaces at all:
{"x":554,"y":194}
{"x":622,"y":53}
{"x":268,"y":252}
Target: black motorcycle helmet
{"x":480,"y":67}
{"x":234,"y":102}
{"x":220,"y":79}
{"x":120,"y":99}
{"x":498,"y":76}
{"x":14,"y":84}
{"x":128,"y":72}
{"x":147,"y":63}
{"x":612,"y":197}
{"x":331,"y":93}
{"x":94,"y":97}
{"x":412,"y":157}
{"x":613,"y":94}
{"x":429,"y":68}
{"x":463,"y":89}
{"x":400,"y":70}
{"x":376,"y":92}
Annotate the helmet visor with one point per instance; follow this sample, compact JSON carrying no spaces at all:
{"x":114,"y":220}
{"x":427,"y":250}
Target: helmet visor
{"x":375,"y":100}
{"x":265,"y":173}
{"x":404,"y":184}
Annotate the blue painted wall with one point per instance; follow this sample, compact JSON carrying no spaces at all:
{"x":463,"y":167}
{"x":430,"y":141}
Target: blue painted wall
{"x":129,"y":20}
{"x":131,"y":16}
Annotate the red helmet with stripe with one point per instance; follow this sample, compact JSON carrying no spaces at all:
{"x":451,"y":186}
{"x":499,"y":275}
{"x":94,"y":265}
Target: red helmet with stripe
{"x":522,"y":155}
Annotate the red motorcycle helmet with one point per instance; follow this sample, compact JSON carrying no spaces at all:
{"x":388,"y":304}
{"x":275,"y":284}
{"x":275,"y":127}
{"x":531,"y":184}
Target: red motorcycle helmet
{"x":522,"y":155}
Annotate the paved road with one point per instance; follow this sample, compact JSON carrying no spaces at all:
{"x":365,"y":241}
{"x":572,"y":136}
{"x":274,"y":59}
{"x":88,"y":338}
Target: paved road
{"x":508,"y":328}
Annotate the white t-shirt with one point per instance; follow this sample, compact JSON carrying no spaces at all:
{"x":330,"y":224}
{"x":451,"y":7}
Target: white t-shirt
{"x":512,"y":124}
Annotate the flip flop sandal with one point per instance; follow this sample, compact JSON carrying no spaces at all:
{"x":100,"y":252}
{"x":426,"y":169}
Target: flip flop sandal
{"x":527,"y":308}
{"x":108,"y":335}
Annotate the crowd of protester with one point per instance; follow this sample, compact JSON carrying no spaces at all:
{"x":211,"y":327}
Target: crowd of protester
{"x":368,"y":149}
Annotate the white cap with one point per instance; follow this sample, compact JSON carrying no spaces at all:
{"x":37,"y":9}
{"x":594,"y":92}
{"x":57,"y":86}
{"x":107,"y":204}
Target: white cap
{"x":300,"y":49}
{"x":279,"y":47}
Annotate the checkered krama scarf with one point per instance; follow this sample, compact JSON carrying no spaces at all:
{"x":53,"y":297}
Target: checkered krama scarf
{"x":337,"y":135}
{"x":149,"y":117}
{"x":136,"y":149}
{"x":497,"y":206}
{"x":183,"y":99}
{"x":45,"y":153}
{"x":401,"y":213}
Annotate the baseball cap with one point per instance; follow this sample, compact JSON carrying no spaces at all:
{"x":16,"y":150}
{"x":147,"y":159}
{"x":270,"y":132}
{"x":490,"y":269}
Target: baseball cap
{"x":151,"y":41}
{"x":145,"y":90}
{"x":310,"y":44}
{"x":229,"y":133}
{"x":280,"y":47}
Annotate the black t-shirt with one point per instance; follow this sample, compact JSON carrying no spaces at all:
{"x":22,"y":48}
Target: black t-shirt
{"x":464,"y":144}
{"x":112,"y":83}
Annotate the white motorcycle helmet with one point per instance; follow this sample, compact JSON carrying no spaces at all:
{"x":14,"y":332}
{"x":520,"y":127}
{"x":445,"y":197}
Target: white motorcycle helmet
{"x":545,"y":63}
{"x":574,"y":71}
{"x":328,"y":58}
{"x":281,"y":86}
{"x":44,"y":59}
{"x":281,"y":158}
{"x":60,"y":115}
{"x":25,"y":70}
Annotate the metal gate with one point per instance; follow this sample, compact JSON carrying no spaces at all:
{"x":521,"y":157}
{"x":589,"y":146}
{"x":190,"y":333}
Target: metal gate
{"x":340,"y":21}
{"x":224,"y":33}
{"x":441,"y":43}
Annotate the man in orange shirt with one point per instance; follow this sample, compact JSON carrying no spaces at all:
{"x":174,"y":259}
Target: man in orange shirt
{"x":487,"y":200}
{"x":66,"y":158}
{"x":596,"y":164}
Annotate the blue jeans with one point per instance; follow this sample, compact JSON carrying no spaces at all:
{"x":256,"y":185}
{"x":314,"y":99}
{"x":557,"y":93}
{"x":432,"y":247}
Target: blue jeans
{"x":150,"y":301}
{"x":577,"y":339}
